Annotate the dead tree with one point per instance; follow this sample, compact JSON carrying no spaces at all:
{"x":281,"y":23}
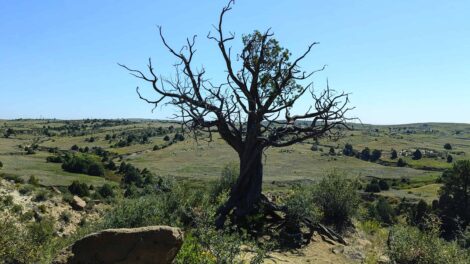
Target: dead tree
{"x":251,"y":110}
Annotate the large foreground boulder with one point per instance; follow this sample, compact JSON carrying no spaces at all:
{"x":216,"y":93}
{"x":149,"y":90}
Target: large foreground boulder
{"x":152,"y":244}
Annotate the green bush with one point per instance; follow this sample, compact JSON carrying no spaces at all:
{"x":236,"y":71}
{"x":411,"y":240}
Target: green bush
{"x":409,"y":245}
{"x":33,"y":180}
{"x":401,"y":163}
{"x":54,"y":159}
{"x":372,"y":187}
{"x":25,"y":189}
{"x":106,"y":190}
{"x":192,"y":252}
{"x":348,"y":150}
{"x":454,"y":199}
{"x":375,"y":155}
{"x":65,"y":217}
{"x":14,"y":178}
{"x":165,"y":208}
{"x":385,"y":212}
{"x":393,"y":154}
{"x":80,"y":189}
{"x":365,"y":154}
{"x":41,"y":196}
{"x":32,"y":243}
{"x":383,"y":184}
{"x":450,"y":159}
{"x":226,"y":180}
{"x":417,"y":154}
{"x":1,"y":164}
{"x":447,"y":146}
{"x":83,"y":163}
{"x":337,"y":199}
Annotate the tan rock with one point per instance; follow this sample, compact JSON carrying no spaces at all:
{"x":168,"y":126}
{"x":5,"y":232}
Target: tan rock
{"x":153,"y":244}
{"x":77,"y":203}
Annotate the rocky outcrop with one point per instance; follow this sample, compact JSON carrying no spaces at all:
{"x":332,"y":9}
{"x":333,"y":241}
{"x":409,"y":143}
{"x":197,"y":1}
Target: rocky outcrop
{"x":152,"y":244}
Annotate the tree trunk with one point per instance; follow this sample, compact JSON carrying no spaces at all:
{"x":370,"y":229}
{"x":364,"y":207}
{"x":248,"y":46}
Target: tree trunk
{"x":246,"y":193}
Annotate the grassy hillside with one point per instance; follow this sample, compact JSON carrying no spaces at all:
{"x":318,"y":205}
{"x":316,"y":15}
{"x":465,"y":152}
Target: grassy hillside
{"x":200,"y":161}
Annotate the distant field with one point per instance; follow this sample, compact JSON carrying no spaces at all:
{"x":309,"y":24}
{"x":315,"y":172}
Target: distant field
{"x":203,"y":161}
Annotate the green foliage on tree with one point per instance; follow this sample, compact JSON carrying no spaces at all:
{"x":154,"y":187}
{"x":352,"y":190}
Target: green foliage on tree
{"x":393,"y":154}
{"x":348,"y":150}
{"x":450,"y":159}
{"x":383,"y":184}
{"x":365,"y":154}
{"x":454,"y":200}
{"x":106,"y":190}
{"x":417,"y":155}
{"x":83,"y":163}
{"x":375,"y":155}
{"x":447,"y":146}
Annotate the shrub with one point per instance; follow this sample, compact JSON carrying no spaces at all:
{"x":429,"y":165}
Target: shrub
{"x":95,"y":169}
{"x":132,"y":175}
{"x":1,"y":164}
{"x":14,"y":178}
{"x":450,"y":159}
{"x":25,"y":189}
{"x":454,"y":201}
{"x":383,"y":184}
{"x":372,"y":187}
{"x":332,"y":151}
{"x":417,"y":214}
{"x":156,"y":147}
{"x":192,"y":252}
{"x":348,"y":150}
{"x":41,"y":196}
{"x":447,"y":146}
{"x":410,"y":245}
{"x":106,"y":190}
{"x":365,"y":154}
{"x":226,"y":180}
{"x":376,"y":154}
{"x":166,"y":138}
{"x":131,"y":213}
{"x":54,"y":159}
{"x":74,"y":147}
{"x":33,"y":180}
{"x":337,"y":199}
{"x":401,"y":163}
{"x":111,"y":165}
{"x":393,"y":154}
{"x":178,"y":137}
{"x":417,"y":154}
{"x":83,"y":163}
{"x":65,"y":217}
{"x":80,"y":189}
{"x":385,"y":212}
{"x":299,"y":206}
{"x":7,"y":200}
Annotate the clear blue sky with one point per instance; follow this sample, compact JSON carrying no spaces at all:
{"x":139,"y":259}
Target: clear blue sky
{"x":403,"y":61}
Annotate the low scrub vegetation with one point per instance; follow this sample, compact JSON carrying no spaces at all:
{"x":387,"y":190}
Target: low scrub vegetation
{"x":83,"y":163}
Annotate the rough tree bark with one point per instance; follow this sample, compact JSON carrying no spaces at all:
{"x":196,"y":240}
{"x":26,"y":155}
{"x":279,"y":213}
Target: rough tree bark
{"x":251,"y":111}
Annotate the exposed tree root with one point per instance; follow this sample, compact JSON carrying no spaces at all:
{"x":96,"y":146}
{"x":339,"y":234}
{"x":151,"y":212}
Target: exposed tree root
{"x":274,"y":223}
